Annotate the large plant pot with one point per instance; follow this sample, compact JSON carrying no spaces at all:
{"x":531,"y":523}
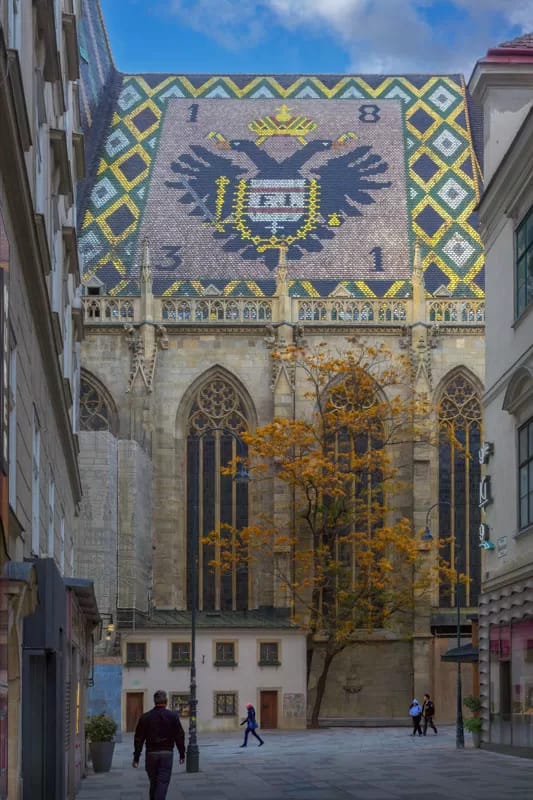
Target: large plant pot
{"x":476,"y":738}
{"x":102,"y":755}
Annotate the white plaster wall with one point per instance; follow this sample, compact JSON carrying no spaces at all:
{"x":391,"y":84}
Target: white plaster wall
{"x":504,"y":111}
{"x":247,"y":678}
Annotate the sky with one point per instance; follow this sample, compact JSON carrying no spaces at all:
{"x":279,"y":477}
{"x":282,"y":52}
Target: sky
{"x":309,"y":36}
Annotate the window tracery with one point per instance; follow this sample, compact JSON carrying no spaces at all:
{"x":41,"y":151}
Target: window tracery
{"x":96,"y":413}
{"x":216,"y":502}
{"x":459,"y":476}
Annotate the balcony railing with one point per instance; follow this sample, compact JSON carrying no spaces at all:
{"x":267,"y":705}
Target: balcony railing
{"x":219,"y":309}
{"x":362,"y":312}
{"x":457,"y":312}
{"x":105,"y":310}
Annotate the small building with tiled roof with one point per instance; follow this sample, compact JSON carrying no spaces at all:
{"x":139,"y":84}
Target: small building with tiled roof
{"x":222,"y":219}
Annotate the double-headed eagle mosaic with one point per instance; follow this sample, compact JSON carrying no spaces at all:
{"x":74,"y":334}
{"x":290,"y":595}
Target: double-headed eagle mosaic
{"x":276,"y":204}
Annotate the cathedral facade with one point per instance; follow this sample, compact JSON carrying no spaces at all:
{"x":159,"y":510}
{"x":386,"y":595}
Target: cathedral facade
{"x":224,"y":219}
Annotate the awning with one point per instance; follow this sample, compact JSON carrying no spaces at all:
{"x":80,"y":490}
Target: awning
{"x":84,"y":591}
{"x":467,"y":653}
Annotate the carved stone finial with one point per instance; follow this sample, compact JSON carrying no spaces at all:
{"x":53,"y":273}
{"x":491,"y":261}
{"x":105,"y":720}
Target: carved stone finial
{"x":146,"y":267}
{"x":281,"y":273}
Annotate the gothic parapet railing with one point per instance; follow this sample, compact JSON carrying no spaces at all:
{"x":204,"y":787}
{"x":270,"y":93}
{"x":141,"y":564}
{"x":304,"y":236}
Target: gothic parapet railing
{"x":352,"y":311}
{"x":103,"y":310}
{"x":456,"y":312}
{"x":216,"y":310}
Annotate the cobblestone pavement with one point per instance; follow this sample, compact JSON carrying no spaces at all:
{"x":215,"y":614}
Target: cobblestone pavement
{"x":328,"y":764}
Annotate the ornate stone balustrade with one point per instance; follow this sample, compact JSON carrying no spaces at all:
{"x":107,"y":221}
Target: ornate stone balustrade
{"x":110,"y":309}
{"x":361,"y":312}
{"x":216,"y":309}
{"x":456,"y":312}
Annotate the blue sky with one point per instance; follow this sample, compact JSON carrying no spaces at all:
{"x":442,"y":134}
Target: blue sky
{"x":309,"y":36}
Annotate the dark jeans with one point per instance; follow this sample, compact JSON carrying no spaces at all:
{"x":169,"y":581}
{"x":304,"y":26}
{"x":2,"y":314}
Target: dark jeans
{"x":429,"y":721}
{"x":252,"y":731}
{"x":159,"y":769}
{"x":416,"y":725}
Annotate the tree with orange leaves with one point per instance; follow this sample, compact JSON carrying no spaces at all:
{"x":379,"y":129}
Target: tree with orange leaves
{"x":348,"y":560}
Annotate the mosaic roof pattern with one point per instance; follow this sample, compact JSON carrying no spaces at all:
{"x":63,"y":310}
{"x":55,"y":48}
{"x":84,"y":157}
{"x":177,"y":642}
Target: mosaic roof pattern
{"x":396,"y":163}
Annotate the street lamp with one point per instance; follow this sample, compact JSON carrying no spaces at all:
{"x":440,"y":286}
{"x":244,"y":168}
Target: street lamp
{"x":427,"y":537}
{"x":192,"y":763}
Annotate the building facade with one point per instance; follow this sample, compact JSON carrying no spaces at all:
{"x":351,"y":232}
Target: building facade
{"x":222,"y":220}
{"x":49,"y":617}
{"x":502,"y":83}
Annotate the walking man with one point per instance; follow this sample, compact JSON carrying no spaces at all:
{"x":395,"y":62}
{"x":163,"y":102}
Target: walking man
{"x":160,"y":729}
{"x":428,"y":709}
{"x":251,"y":725}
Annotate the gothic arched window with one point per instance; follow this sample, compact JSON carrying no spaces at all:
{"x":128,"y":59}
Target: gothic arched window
{"x":363,"y":500}
{"x":216,"y":502}
{"x":97,"y":412}
{"x":459,"y":476}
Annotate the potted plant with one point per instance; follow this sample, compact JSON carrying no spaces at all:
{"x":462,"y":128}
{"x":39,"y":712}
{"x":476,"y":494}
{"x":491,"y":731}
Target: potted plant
{"x":100,"y":730}
{"x":473,"y":724}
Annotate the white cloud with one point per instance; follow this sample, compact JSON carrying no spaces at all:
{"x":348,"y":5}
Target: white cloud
{"x":375,"y":35}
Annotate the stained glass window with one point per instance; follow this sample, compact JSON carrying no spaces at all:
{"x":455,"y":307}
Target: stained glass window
{"x":459,"y":477}
{"x":216,"y":502}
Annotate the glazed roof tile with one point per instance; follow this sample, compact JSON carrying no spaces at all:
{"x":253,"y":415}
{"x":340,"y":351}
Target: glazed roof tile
{"x":222,"y":173}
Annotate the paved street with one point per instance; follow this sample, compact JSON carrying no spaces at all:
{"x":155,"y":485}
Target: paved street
{"x":329,"y":764}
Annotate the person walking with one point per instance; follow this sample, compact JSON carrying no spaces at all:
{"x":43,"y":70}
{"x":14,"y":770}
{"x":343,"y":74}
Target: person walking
{"x":415,"y":712}
{"x":160,"y":729}
{"x":428,"y":710}
{"x":251,"y":725}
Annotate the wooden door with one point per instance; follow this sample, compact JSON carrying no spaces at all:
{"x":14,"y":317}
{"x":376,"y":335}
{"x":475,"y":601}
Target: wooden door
{"x":269,"y":710}
{"x":134,"y":709}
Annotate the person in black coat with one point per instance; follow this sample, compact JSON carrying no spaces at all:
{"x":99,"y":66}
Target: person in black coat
{"x":428,"y":710}
{"x":251,"y":725}
{"x":160,"y":729}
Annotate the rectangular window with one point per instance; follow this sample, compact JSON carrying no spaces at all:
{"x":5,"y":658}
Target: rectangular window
{"x":180,"y":702}
{"x":225,"y":654}
{"x":35,"y":485}
{"x":225,"y":704}
{"x":269,"y":654}
{"x":13,"y":429}
{"x":524,"y":263}
{"x":180,"y":654}
{"x":51,"y":515}
{"x":525,"y":474}
{"x":136,"y":654}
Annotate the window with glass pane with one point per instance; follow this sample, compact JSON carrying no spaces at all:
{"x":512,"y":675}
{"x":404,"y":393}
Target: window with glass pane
{"x":136,"y":653}
{"x":269,"y":653}
{"x":225,"y":654}
{"x":226,"y":704}
{"x":459,"y":477}
{"x":180,"y":653}
{"x":216,"y":502}
{"x":525,"y":474}
{"x":180,"y":703}
{"x":524,"y":263}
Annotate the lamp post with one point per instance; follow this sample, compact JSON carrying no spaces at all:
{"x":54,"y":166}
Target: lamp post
{"x":427,"y":536}
{"x":192,"y":763}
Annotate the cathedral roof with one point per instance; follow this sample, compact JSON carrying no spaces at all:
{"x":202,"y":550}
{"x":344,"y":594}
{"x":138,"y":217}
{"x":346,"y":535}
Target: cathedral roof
{"x":343,"y":173}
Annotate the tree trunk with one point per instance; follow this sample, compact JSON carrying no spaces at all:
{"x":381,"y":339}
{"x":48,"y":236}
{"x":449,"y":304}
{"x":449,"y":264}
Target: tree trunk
{"x":321,"y":686}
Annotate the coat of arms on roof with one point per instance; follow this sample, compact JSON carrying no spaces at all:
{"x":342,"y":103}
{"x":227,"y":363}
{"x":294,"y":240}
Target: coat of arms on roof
{"x":295,"y":195}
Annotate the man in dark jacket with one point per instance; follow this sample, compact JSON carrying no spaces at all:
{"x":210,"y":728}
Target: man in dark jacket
{"x":428,"y":710}
{"x":160,"y":729}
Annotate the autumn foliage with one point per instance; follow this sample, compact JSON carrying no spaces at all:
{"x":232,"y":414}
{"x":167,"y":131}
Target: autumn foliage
{"x":339,"y":547}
